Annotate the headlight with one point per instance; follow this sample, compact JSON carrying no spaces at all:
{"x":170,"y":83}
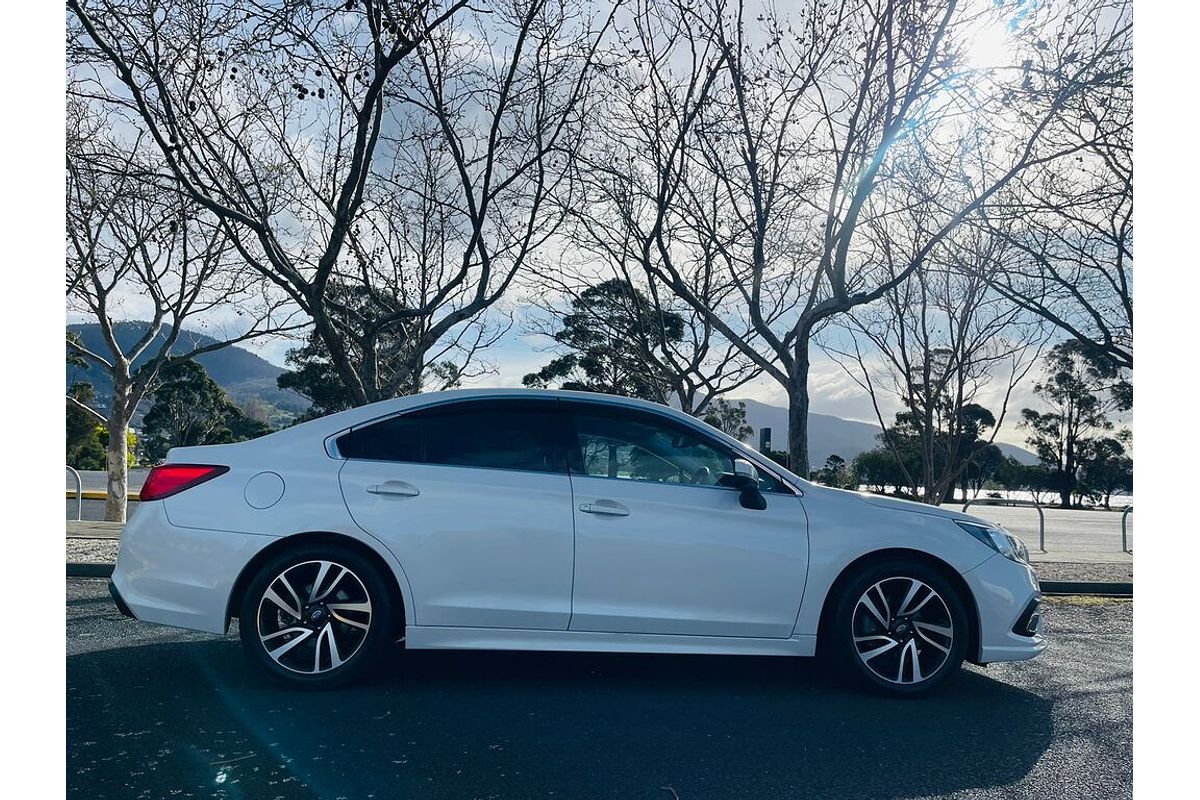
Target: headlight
{"x":998,"y":539}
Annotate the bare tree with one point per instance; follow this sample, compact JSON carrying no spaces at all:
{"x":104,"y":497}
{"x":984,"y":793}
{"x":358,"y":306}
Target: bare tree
{"x":1071,"y":219}
{"x":139,"y":251}
{"x":623,"y":218}
{"x":293,"y":123}
{"x":815,"y":129}
{"x":932,"y":346}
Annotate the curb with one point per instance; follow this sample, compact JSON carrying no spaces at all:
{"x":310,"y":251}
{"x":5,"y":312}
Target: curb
{"x":1087,"y":588}
{"x":100,"y":494}
{"x":89,"y":570}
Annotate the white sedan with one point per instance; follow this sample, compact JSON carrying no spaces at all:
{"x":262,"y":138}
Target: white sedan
{"x":530,"y":520}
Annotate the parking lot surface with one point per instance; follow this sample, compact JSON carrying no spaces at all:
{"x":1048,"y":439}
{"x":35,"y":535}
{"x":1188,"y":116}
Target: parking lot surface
{"x":154,"y":713}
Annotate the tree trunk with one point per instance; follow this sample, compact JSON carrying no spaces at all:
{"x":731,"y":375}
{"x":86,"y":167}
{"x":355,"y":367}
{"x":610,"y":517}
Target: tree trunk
{"x":798,"y":409}
{"x":118,"y":464}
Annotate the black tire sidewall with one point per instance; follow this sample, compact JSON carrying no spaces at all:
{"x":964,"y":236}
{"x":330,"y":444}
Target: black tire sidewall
{"x":368,"y":655}
{"x":845,"y":652}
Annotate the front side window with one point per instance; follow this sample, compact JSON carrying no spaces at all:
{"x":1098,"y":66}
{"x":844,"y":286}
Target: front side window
{"x":638,"y":447}
{"x":494,"y":434}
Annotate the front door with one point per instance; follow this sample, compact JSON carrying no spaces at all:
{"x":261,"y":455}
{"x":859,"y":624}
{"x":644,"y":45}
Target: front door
{"x":661,"y":548}
{"x":473,"y":499}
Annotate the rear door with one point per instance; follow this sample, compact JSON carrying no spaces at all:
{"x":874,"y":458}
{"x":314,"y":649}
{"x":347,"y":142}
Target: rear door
{"x":661,"y":548}
{"x":474,"y":500}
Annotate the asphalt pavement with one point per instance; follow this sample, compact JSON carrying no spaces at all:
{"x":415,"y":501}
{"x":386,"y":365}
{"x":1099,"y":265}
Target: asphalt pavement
{"x":153,"y":712}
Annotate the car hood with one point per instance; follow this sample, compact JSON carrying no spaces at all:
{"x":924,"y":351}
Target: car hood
{"x":896,"y":504}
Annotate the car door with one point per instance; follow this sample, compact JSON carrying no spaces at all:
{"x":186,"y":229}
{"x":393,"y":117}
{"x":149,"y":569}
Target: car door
{"x":474,"y":500}
{"x":661,"y":548}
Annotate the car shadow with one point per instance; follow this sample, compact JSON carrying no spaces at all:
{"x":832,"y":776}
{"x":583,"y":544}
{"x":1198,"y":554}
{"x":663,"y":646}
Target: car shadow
{"x":192,"y":717}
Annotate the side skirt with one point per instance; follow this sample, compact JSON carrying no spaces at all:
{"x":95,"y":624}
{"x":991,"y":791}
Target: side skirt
{"x":423,"y":637}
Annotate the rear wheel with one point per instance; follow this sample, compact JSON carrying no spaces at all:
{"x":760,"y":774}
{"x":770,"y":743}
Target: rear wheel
{"x":316,"y":616}
{"x":901,"y":627}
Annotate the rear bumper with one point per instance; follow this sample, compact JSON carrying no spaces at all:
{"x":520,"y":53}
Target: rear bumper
{"x":118,"y":600}
{"x":182,"y":577}
{"x":1005,"y":592}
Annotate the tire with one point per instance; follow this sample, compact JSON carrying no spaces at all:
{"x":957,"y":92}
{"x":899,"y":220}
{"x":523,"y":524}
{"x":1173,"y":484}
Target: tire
{"x":338,"y":630}
{"x":924,"y":639}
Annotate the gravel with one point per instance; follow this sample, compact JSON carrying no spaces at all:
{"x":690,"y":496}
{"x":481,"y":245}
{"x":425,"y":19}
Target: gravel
{"x":91,"y":551}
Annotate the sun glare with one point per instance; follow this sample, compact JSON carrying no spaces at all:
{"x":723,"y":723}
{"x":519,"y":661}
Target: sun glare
{"x":991,"y":45}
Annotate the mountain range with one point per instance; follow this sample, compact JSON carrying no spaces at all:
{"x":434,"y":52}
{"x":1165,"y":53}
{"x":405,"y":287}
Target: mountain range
{"x":829,"y":435}
{"x":248,"y":379}
{"x":250,"y":382}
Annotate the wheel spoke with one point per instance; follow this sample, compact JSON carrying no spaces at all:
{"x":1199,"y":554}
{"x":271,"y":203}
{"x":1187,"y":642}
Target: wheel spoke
{"x":877,"y":651}
{"x":926,"y":639}
{"x":348,"y":621}
{"x":332,"y":584}
{"x":929,"y":626}
{"x":284,"y":631}
{"x":279,"y":601}
{"x":870,"y":606}
{"x":279,"y":652}
{"x":316,"y":584}
{"x":887,"y":608}
{"x":335,"y":658}
{"x":364,"y":606}
{"x":916,"y":587}
{"x":911,"y":648}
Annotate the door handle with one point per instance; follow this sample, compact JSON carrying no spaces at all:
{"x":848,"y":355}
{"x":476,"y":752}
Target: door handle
{"x":609,"y":509}
{"x":397,"y":488}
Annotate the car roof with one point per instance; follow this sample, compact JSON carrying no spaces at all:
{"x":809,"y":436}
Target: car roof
{"x":385,"y":408}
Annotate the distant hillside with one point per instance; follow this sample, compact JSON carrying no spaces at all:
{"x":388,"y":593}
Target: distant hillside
{"x":247,"y":378}
{"x":829,"y":435}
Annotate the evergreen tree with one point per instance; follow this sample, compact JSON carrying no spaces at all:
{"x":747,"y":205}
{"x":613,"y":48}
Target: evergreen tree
{"x":1082,"y":386}
{"x":189,"y":408}
{"x":609,"y":341}
{"x":730,"y":418}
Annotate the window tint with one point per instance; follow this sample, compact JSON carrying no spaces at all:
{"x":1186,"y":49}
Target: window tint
{"x":634,"y":445}
{"x":518,"y":435}
{"x":639,"y":447}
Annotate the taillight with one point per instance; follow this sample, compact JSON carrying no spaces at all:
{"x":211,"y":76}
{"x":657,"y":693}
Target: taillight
{"x":168,"y":479}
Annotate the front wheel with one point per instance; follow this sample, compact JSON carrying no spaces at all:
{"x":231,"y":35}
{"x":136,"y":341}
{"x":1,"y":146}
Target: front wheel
{"x":901,"y":627}
{"x":316,"y":616}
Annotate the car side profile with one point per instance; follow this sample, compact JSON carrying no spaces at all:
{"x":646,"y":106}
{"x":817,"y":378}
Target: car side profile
{"x":555,"y":520}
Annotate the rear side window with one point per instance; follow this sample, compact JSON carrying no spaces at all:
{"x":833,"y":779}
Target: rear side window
{"x":518,"y":435}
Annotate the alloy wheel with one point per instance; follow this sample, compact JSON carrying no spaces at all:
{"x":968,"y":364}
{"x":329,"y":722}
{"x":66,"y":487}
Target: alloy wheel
{"x":903,"y":630}
{"x":314,"y":617}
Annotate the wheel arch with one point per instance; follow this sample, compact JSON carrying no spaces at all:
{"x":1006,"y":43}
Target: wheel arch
{"x":396,"y":595}
{"x":862,"y":562}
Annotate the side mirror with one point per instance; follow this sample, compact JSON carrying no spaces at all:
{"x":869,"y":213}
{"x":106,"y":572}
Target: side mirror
{"x":743,"y":468}
{"x":745,"y":479}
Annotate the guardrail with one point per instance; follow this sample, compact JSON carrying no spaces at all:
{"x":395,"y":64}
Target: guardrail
{"x":78,"y":493}
{"x":991,"y":501}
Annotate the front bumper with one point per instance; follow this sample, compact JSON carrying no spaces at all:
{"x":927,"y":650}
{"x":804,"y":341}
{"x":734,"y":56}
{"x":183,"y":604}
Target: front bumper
{"x":182,"y":577}
{"x":1007,"y":597}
